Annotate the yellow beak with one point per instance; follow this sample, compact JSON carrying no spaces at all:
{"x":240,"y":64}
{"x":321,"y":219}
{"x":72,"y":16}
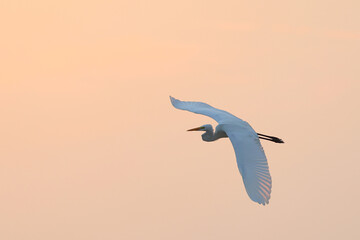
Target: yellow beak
{"x":197,"y":129}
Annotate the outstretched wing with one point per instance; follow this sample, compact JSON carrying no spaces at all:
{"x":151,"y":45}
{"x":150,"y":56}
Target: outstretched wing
{"x":251,"y":161}
{"x":204,"y":109}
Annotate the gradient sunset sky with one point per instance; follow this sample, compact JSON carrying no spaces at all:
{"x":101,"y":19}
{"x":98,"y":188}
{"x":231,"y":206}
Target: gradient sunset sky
{"x":91,"y":148}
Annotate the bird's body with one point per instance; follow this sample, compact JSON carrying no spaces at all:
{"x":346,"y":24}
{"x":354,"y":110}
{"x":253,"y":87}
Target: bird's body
{"x":250,"y":156}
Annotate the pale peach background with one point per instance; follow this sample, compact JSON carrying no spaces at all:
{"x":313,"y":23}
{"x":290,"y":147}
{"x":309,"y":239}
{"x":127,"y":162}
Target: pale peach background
{"x":90,"y":147}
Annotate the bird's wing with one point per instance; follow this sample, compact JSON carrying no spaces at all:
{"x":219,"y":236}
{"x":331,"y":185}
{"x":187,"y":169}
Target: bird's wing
{"x":251,"y":161}
{"x":204,"y":109}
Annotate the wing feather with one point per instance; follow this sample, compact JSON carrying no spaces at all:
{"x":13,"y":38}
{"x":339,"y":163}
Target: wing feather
{"x":204,"y":109}
{"x":252,"y":163}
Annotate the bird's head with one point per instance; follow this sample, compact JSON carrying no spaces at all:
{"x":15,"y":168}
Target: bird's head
{"x":209,"y":132}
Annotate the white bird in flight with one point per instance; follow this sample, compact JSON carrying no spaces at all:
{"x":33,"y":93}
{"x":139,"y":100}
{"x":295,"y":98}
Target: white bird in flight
{"x":250,"y":156}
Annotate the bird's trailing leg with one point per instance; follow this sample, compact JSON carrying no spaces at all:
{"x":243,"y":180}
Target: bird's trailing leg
{"x":270,"y":138}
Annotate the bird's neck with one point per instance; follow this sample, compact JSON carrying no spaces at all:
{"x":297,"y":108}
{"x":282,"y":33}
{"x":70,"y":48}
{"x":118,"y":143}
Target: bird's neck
{"x":210,"y":135}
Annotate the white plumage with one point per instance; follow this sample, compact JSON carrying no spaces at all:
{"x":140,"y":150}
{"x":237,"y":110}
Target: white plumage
{"x":250,"y":156}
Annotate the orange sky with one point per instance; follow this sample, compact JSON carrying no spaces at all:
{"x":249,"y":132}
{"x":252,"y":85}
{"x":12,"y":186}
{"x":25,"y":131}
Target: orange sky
{"x":91,"y":147}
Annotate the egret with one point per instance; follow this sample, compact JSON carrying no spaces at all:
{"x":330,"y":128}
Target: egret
{"x":250,"y":156}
